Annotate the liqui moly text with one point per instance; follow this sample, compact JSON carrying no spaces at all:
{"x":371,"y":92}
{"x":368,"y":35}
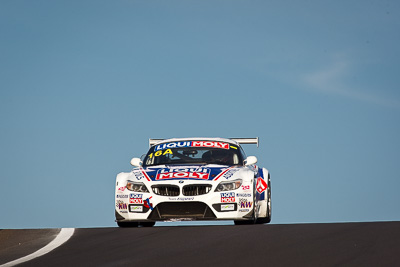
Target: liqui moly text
{"x":183,"y":173}
{"x":192,"y":144}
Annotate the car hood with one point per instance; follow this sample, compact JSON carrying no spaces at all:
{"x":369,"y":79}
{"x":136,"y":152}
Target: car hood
{"x":184,"y":172}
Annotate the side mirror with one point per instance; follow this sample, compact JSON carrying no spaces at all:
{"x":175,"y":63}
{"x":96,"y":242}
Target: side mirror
{"x":250,"y":160}
{"x":136,"y":162}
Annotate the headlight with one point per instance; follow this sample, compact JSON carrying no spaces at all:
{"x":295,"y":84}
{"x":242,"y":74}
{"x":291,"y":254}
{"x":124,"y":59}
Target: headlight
{"x":136,"y":187}
{"x":229,"y":185}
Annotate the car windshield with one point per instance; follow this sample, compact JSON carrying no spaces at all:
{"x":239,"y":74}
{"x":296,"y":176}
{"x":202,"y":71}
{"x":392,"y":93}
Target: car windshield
{"x":193,"y":152}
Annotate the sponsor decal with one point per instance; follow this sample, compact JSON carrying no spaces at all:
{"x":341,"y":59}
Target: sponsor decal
{"x":160,"y":153}
{"x":147,"y":203}
{"x":243,"y":203}
{"x":121,"y":189}
{"x":244,"y":210}
{"x":122,"y":196}
{"x":228,"y":174}
{"x":245,"y":187}
{"x":121,"y":205}
{"x":243,"y":194}
{"x":136,"y":198}
{"x":140,"y":174}
{"x":179,"y":173}
{"x":136,"y":208}
{"x":173,"y":145}
{"x":226,"y":207}
{"x":222,"y":173}
{"x":261,"y":185}
{"x":192,"y":144}
{"x":228,"y":197}
{"x":181,"y":198}
{"x":210,"y":144}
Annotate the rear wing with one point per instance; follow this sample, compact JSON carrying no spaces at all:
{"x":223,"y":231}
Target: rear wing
{"x":254,"y":140}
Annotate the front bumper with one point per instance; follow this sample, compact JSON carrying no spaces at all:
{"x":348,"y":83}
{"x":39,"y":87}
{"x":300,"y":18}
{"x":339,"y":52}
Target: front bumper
{"x":209,"y":205}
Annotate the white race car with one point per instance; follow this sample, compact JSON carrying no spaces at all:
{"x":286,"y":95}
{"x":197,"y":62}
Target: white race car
{"x":184,"y":179}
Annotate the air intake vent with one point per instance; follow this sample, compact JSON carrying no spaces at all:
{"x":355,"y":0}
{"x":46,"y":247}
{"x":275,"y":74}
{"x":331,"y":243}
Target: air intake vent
{"x":196,"y":189}
{"x":165,"y":190}
{"x":179,"y":210}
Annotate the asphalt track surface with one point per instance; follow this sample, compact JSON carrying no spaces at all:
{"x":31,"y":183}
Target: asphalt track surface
{"x":331,"y":244}
{"x":15,"y":244}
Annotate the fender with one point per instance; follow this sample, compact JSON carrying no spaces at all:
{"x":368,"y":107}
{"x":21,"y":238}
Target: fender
{"x":262,"y":189}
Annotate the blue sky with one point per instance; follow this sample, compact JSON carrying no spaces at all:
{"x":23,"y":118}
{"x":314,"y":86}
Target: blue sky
{"x":84,"y":84}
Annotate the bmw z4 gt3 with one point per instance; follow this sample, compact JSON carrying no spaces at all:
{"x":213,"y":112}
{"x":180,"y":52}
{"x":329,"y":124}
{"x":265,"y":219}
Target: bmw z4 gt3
{"x":194,"y":179}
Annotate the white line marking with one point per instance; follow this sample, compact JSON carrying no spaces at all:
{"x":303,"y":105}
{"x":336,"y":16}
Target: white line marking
{"x":60,"y":239}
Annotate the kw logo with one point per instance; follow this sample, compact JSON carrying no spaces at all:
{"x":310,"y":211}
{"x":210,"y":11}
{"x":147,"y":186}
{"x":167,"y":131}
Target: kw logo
{"x":246,"y":204}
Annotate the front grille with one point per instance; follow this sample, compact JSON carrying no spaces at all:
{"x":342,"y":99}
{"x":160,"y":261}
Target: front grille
{"x":165,"y":190}
{"x":195,"y":189}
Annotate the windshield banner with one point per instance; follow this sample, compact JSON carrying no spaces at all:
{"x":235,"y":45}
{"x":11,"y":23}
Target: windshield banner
{"x":192,"y":144}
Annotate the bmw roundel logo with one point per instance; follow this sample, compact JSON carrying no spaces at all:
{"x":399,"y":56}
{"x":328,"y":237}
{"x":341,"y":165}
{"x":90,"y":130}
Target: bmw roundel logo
{"x":180,"y":181}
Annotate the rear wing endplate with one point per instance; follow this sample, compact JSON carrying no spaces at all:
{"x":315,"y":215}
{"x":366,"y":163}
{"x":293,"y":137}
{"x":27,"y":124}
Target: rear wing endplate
{"x":152,"y":142}
{"x":255,"y":140}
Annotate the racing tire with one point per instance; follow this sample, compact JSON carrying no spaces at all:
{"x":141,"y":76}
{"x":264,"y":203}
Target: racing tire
{"x":127,"y":224}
